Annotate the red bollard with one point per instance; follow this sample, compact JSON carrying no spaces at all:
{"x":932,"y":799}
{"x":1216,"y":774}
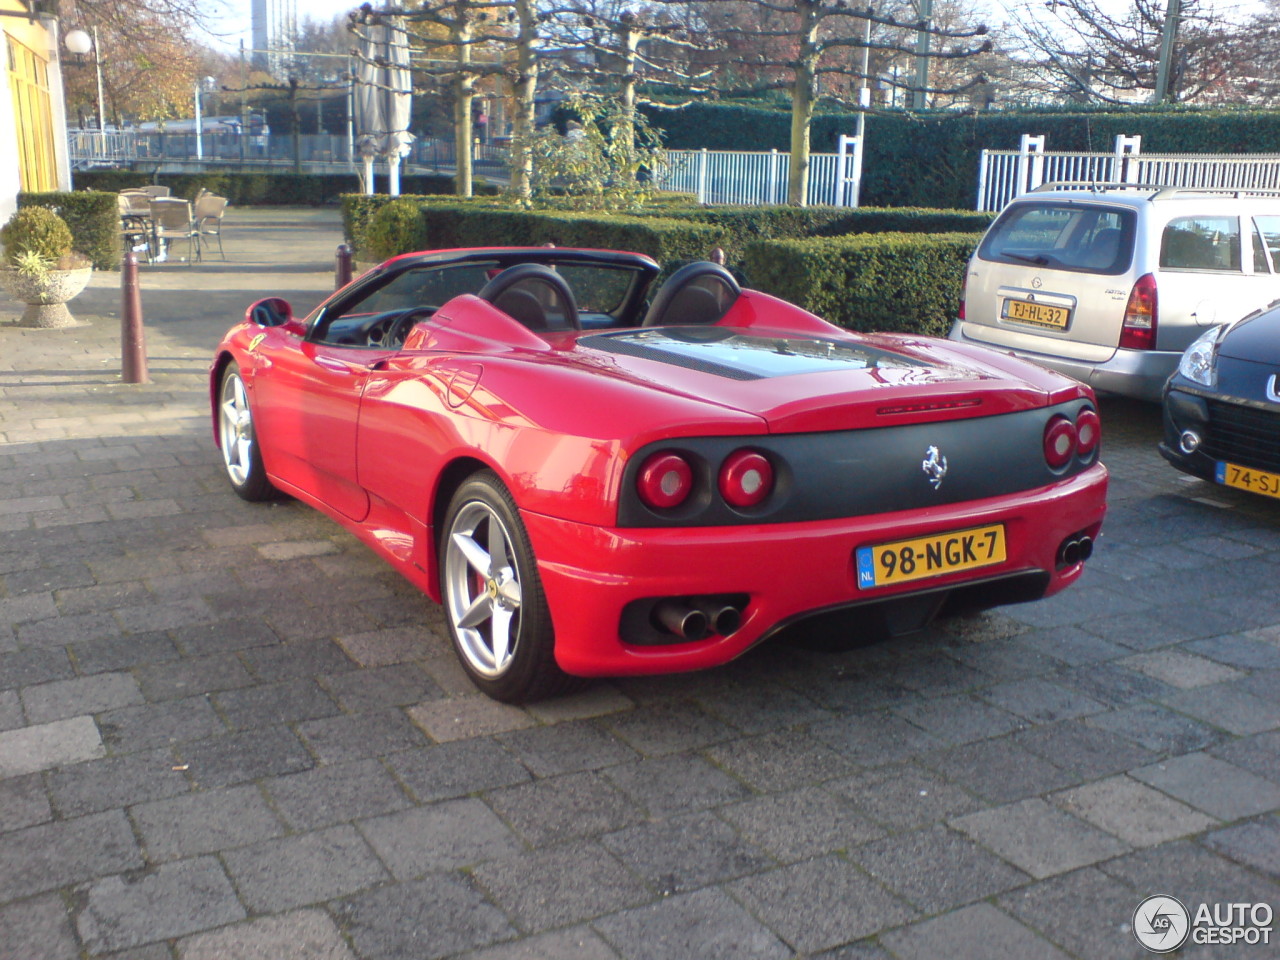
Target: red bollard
{"x":133,"y":348}
{"x":343,"y":266}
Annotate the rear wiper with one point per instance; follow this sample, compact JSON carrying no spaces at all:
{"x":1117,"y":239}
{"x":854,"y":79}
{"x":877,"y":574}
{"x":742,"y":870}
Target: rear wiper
{"x":1039,"y":259}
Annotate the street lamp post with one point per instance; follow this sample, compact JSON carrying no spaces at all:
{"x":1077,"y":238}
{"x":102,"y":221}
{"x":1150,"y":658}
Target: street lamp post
{"x":80,"y":43}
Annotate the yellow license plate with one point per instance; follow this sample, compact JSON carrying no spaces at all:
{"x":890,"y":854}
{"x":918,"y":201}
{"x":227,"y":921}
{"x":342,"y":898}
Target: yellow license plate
{"x":1041,"y":314}
{"x":1244,"y":478}
{"x":933,"y":556}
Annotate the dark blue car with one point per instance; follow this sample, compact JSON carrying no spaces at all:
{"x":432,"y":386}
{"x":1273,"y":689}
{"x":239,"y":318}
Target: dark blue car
{"x":1222,"y":406}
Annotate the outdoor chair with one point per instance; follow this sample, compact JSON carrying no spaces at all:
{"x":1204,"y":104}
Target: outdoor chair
{"x":135,"y":226}
{"x":155,"y":190}
{"x":139,"y":203}
{"x":171,"y":219}
{"x":209,"y":211}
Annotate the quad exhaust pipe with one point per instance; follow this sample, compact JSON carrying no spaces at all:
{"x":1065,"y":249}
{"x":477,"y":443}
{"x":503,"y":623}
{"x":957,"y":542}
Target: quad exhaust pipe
{"x":698,"y":618}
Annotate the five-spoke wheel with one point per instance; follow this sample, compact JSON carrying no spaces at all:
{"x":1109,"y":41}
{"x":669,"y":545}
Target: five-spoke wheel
{"x":238,"y":440}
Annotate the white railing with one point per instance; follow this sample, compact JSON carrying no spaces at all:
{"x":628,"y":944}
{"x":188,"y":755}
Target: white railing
{"x":754,"y":177}
{"x":1005,"y":174}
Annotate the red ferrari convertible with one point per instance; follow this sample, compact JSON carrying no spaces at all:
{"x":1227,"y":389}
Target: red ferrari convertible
{"x":597,"y":479}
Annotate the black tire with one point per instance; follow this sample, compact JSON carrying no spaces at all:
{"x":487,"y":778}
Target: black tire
{"x":493,"y":598}
{"x":238,"y":440}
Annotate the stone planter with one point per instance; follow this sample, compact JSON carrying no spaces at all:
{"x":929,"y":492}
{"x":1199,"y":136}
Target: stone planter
{"x":46,"y":297}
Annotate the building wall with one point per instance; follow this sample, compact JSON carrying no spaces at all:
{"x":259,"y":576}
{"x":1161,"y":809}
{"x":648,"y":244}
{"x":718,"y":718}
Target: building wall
{"x":33,"y":129}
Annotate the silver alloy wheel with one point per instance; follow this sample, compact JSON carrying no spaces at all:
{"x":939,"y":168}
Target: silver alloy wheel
{"x":235,"y":429}
{"x":482,"y":589}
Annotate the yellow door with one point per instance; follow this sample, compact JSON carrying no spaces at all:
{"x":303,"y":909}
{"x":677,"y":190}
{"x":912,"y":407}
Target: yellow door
{"x":29,"y":81}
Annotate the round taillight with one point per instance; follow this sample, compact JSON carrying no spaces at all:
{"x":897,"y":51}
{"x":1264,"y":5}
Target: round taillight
{"x":746,"y":479}
{"x":1059,"y":442}
{"x":1088,"y":431}
{"x":665,"y":481}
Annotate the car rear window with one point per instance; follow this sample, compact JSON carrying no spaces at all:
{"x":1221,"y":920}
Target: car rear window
{"x":1079,"y":237}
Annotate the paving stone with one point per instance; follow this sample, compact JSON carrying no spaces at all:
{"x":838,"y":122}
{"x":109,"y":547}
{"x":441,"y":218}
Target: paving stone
{"x":576,"y":943}
{"x":300,"y":935}
{"x":48,"y":745}
{"x":1212,"y":785}
{"x":204,"y":822}
{"x":552,"y":888}
{"x":446,"y":835}
{"x":32,"y":606}
{"x":117,"y":782}
{"x":122,"y":653}
{"x":977,"y":931}
{"x":1055,"y":907}
{"x":1256,"y":844}
{"x":168,"y":901}
{"x":820,"y":903}
{"x":183,"y":678}
{"x":673,"y":727}
{"x":223,"y":636}
{"x":565,"y":748}
{"x":82,"y":695}
{"x":706,"y":924}
{"x":54,"y":855}
{"x":1249,"y":651}
{"x":779,"y":761}
{"x":297,"y":659}
{"x":160,"y":724}
{"x":344,"y":738}
{"x":381,"y":648}
{"x":875,"y":739}
{"x":959,"y":719}
{"x":1112,"y":684}
{"x":904,"y":797}
{"x":456,"y":769}
{"x":1041,"y":701}
{"x":999,"y":770}
{"x":238,"y":758}
{"x":1082,"y":749}
{"x":1073,"y":645}
{"x":163,"y":616}
{"x":425,"y":919}
{"x":1182,"y":670}
{"x":23,"y":668}
{"x":365,"y":691}
{"x":296,"y":623}
{"x":23,"y":802}
{"x":1006,"y":659}
{"x":333,"y":794}
{"x":759,"y":707}
{"x":855,"y":951}
{"x":1258,"y":754}
{"x":1131,"y":811}
{"x":60,"y":631}
{"x":10,"y":710}
{"x":936,"y":869}
{"x":1039,"y":839}
{"x":1228,"y":707}
{"x":475,"y":716}
{"x":564,"y":808}
{"x":37,"y":929}
{"x":598,"y":700}
{"x":684,"y":853}
{"x":1192,"y":874}
{"x":271,"y":703}
{"x":1159,"y":729}
{"x":679,"y":783}
{"x":803,"y":823}
{"x":296,"y":871}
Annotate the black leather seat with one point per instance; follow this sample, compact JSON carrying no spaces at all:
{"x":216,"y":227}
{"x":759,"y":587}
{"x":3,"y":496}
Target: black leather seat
{"x":534,"y":295}
{"x":697,"y":293}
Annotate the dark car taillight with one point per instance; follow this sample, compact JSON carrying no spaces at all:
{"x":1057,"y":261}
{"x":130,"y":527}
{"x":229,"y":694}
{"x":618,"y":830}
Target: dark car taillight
{"x":1059,"y":442}
{"x":746,"y":478}
{"x":1140,"y":316}
{"x":1088,"y":431}
{"x":665,"y":480}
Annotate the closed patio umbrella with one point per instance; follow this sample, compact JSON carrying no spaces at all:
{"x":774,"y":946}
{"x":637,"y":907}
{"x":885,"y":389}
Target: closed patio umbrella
{"x":383,"y":97}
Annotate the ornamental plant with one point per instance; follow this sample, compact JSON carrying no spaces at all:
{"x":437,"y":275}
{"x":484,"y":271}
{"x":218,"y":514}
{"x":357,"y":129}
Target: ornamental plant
{"x":38,"y":231}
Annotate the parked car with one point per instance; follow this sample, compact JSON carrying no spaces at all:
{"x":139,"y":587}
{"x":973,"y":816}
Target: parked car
{"x":1222,"y":406}
{"x":1110,"y":286}
{"x":593,"y":486}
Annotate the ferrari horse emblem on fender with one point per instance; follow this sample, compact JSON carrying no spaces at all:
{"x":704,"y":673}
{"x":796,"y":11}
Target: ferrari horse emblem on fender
{"x":596,"y":478}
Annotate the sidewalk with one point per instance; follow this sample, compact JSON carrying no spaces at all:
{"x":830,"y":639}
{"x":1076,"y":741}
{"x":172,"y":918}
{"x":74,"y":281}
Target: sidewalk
{"x":227,"y":732}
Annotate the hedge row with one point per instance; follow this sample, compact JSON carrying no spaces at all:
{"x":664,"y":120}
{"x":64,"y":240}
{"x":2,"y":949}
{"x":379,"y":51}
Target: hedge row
{"x":93,"y":218}
{"x":906,"y":282}
{"x":931,"y":159}
{"x":284,"y":189}
{"x":783,"y":222}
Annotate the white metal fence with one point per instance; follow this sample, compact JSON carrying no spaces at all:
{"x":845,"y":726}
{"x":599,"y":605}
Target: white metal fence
{"x":1005,"y":174}
{"x":756,"y":177}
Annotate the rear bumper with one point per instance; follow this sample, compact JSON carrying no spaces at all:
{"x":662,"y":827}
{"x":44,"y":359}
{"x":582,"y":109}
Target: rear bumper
{"x":786,"y":571}
{"x":1140,"y":374}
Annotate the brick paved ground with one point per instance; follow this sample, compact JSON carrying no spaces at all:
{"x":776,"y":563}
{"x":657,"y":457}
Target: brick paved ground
{"x":228,"y":733}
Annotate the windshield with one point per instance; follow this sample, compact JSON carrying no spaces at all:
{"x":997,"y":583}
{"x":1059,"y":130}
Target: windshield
{"x":1062,"y":235}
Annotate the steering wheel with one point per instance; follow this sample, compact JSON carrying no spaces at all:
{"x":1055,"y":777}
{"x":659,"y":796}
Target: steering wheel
{"x":390,"y":332}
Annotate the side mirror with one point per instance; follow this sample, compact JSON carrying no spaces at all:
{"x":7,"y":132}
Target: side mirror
{"x":271,"y":312}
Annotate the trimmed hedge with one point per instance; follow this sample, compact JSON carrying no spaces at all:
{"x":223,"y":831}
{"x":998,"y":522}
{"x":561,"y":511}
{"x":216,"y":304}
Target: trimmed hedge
{"x":907,"y":282}
{"x":283,"y":189}
{"x":94,"y":220}
{"x":742,"y":224}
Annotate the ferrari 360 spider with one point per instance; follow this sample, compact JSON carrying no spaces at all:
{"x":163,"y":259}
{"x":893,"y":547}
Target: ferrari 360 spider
{"x":595,"y":481}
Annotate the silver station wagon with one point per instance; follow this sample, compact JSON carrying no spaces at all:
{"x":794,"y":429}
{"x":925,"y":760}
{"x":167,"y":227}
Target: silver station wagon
{"x":1110,"y":285}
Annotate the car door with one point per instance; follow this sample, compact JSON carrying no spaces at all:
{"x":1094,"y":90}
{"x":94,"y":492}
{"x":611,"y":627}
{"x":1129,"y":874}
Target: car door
{"x":1203,"y":277}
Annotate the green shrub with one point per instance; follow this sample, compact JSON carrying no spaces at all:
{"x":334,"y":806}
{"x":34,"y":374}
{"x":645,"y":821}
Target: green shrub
{"x":906,"y":282}
{"x":35,"y":230}
{"x":397,"y":227}
{"x":93,"y":218}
